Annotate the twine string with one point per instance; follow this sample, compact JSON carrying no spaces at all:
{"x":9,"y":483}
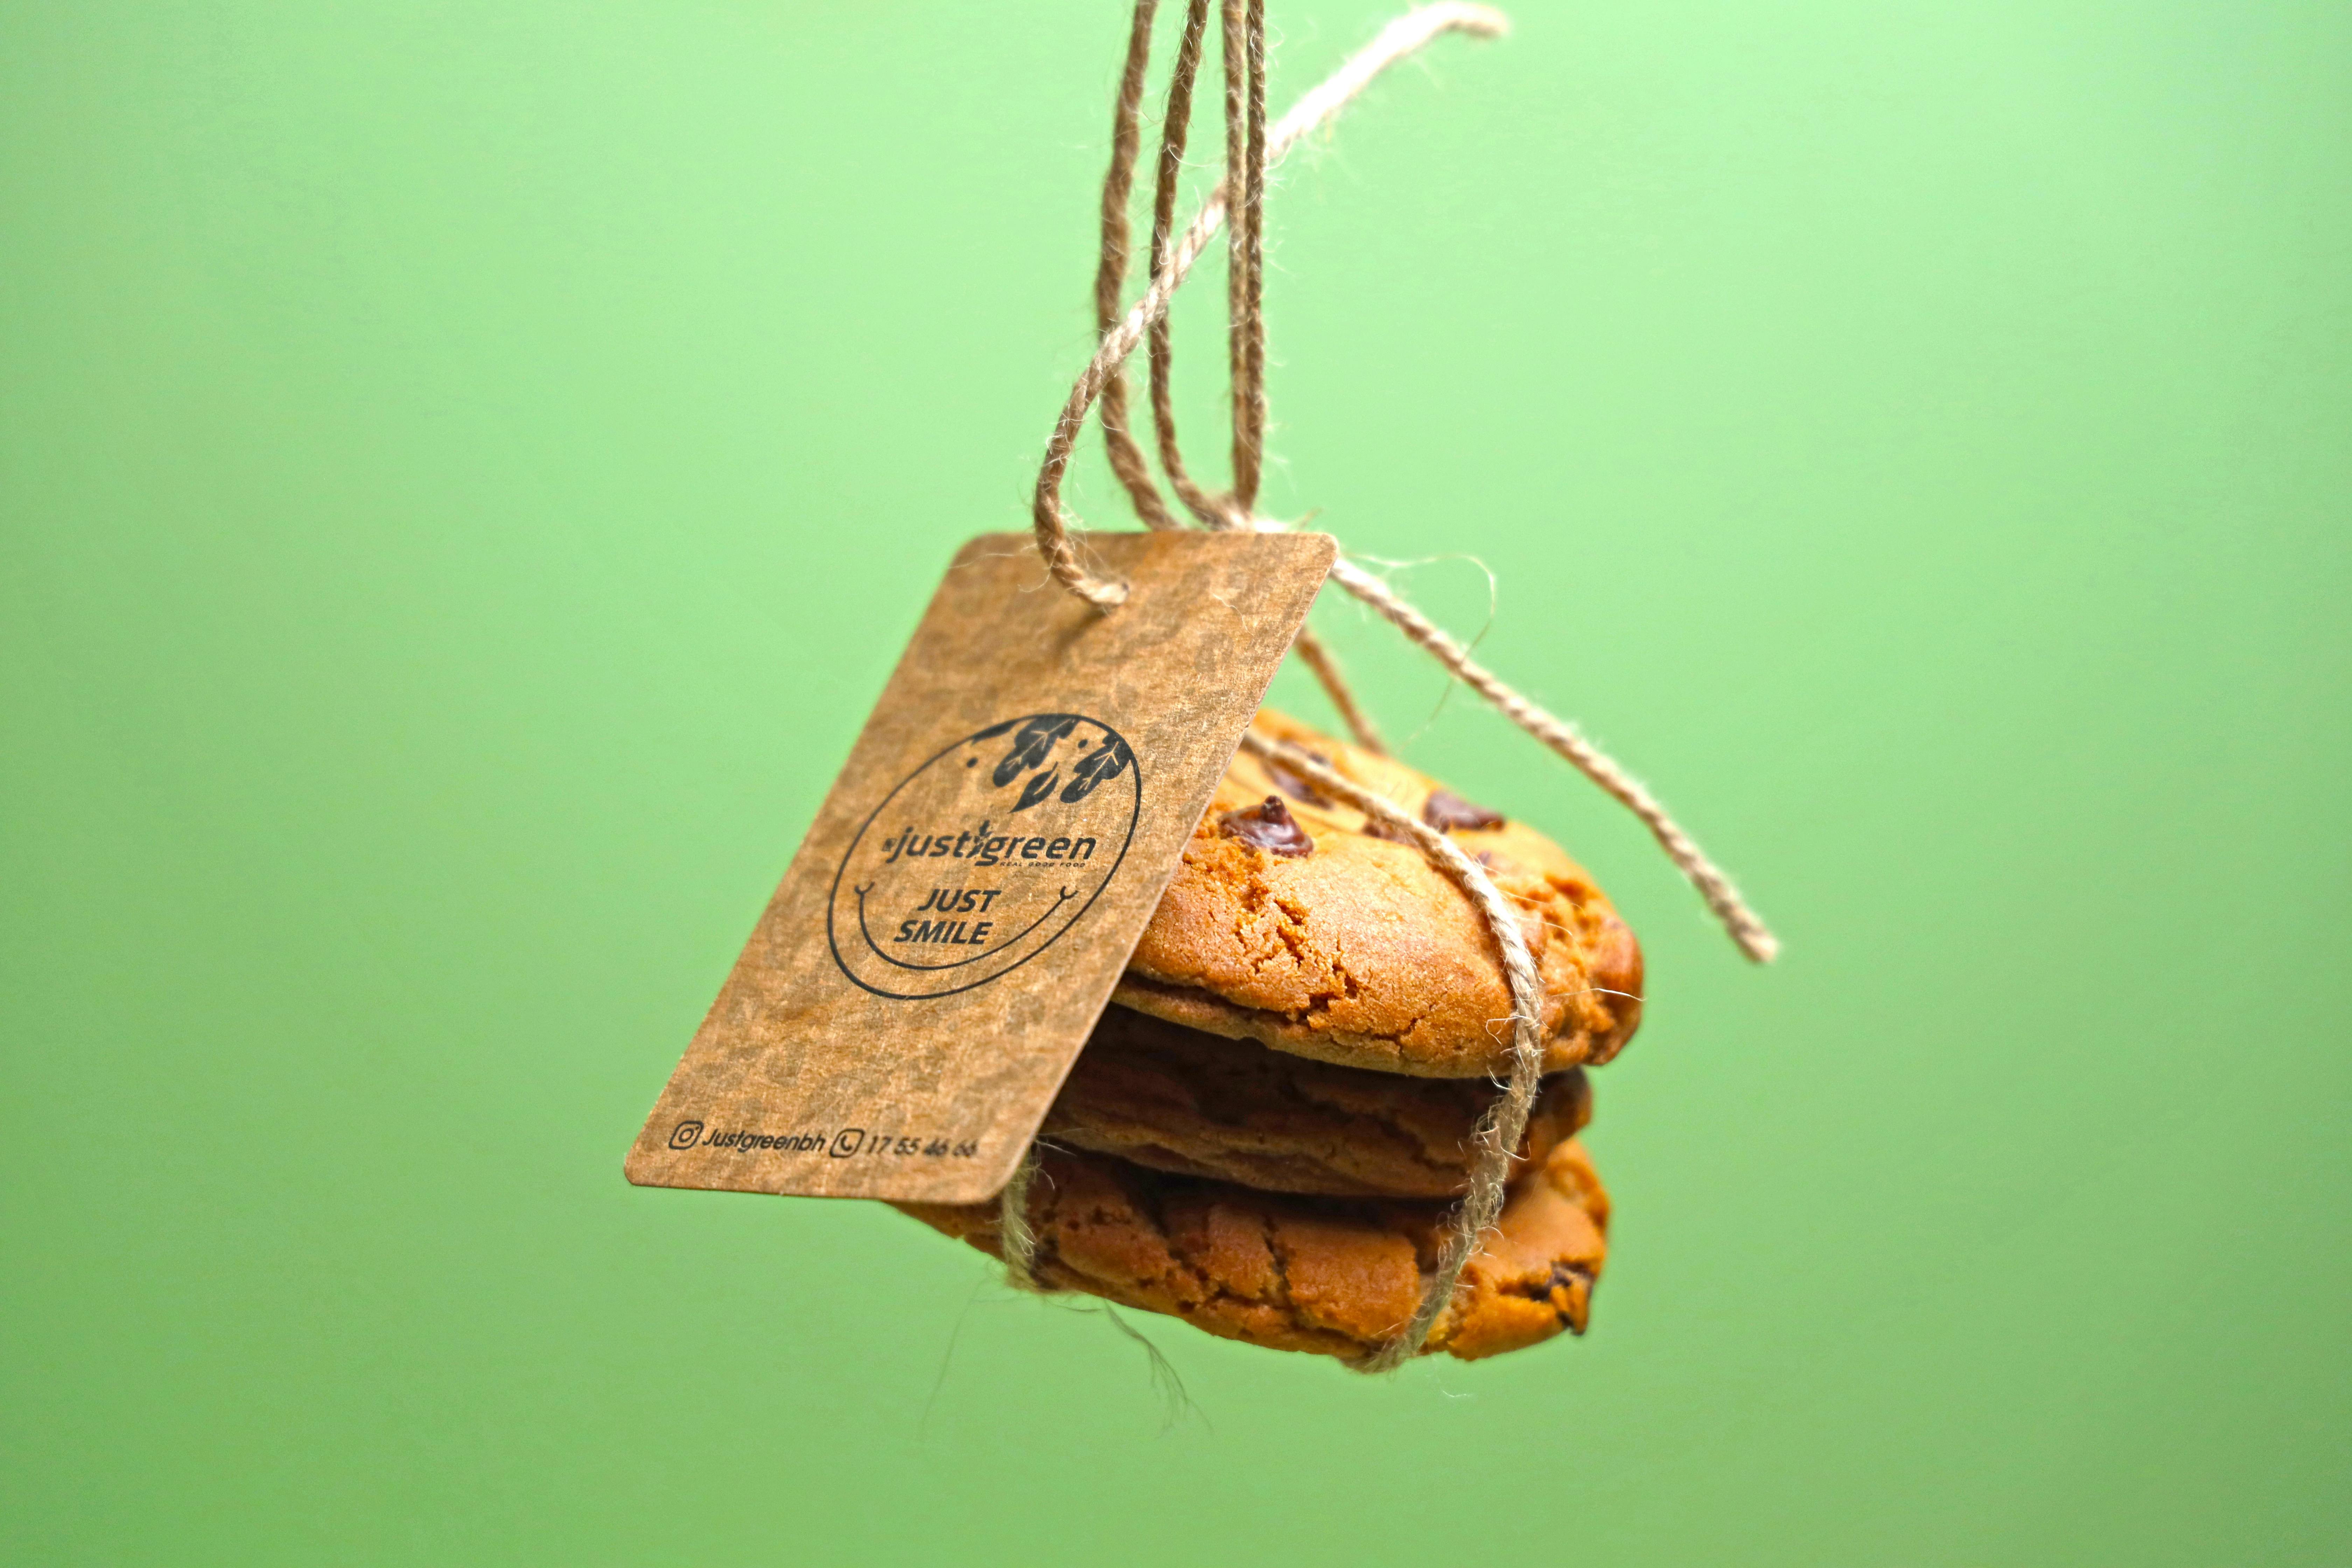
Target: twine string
{"x":1494,"y":1145}
{"x":1745,"y":928}
{"x":1318,"y":657}
{"x":1127,"y":459}
{"x":1398,"y":40}
{"x":1212,"y":511}
{"x":1244,"y":62}
{"x":1251,"y":150}
{"x":1016,"y":1240}
{"x":1175,"y":125}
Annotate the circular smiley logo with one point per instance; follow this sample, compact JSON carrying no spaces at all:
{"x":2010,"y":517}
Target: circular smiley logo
{"x":984,"y":855}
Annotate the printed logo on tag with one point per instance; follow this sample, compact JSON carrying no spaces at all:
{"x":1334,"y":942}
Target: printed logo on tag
{"x":983,"y":857}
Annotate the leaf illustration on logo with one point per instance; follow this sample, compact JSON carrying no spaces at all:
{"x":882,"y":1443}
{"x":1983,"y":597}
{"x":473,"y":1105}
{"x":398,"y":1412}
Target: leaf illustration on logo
{"x":1039,"y":788}
{"x":1035,"y":738}
{"x":1097,"y":767}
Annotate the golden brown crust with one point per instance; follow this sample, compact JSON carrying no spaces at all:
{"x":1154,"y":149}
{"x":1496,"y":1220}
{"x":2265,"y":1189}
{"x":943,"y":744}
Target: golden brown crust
{"x":1363,"y":954}
{"x":1196,"y":1104}
{"x":1329,"y":1275}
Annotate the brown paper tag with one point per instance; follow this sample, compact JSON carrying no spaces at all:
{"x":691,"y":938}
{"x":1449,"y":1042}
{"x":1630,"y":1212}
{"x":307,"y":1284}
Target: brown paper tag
{"x":953,"y":924}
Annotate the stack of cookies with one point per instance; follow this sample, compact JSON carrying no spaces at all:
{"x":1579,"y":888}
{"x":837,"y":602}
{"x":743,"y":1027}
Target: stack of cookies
{"x":1267,"y":1129}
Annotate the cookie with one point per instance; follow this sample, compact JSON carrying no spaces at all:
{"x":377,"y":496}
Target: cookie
{"x":1196,"y":1104}
{"x":1294,"y":921}
{"x":1329,"y":1275}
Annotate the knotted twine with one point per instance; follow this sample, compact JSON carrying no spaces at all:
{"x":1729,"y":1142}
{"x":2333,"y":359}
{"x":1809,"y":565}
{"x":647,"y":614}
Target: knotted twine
{"x":1251,"y":151}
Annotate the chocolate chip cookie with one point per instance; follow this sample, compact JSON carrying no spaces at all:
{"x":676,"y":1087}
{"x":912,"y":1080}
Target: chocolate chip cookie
{"x":1330,"y":1276}
{"x":1294,"y":921}
{"x":1196,"y":1104}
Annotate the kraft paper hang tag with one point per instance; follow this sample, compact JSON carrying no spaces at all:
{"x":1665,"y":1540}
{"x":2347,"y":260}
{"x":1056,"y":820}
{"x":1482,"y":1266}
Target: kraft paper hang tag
{"x":952,"y":926}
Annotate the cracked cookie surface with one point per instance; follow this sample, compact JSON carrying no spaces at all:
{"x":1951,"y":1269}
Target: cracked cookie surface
{"x":1329,"y":1275}
{"x":1357,"y":949}
{"x":1197,"y":1104}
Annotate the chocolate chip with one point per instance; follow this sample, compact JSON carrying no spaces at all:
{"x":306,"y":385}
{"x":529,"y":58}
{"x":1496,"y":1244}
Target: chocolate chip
{"x":1375,"y":828}
{"x":1297,"y":788}
{"x":1560,"y":1291}
{"x":1448,"y":811}
{"x":1270,"y":826}
{"x":1569,"y":1276}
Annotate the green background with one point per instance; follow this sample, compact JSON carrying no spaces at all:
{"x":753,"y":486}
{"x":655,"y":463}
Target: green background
{"x":467,"y":469}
